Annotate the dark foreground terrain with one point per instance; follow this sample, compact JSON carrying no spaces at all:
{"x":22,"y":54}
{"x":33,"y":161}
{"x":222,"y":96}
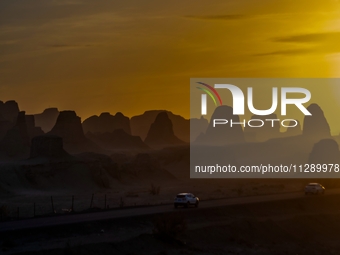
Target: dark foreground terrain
{"x":308,"y":225}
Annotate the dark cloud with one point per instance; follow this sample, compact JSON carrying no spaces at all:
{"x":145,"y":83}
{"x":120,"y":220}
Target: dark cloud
{"x":67,"y":2}
{"x":321,"y":43}
{"x":218,"y":17}
{"x":69,"y":45}
{"x":286,"y":52}
{"x":309,"y":38}
{"x":65,"y":46}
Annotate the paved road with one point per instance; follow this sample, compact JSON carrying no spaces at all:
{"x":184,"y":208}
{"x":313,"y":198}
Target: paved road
{"x":115,"y":214}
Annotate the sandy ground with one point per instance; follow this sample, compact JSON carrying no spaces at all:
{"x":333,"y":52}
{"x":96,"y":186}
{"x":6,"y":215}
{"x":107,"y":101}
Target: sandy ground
{"x":136,"y":194}
{"x":30,"y":182}
{"x":308,"y":225}
{"x":58,"y":220}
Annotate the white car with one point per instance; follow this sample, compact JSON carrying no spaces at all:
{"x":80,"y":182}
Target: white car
{"x":314,"y":188}
{"x":186,"y":199}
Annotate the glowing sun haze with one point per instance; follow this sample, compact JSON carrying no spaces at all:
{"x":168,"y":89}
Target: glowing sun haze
{"x":132,"y":56}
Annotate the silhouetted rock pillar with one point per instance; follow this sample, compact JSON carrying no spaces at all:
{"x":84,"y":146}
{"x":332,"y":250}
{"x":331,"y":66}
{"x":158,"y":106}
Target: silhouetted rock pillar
{"x":161,"y":132}
{"x":223,"y":134}
{"x":68,"y":126}
{"x":47,"y":146}
{"x":326,"y":151}
{"x":315,"y":126}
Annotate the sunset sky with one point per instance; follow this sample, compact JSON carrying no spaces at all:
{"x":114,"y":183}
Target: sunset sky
{"x":133,"y":55}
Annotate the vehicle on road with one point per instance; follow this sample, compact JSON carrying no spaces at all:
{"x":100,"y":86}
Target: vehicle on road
{"x":314,"y":188}
{"x":186,"y":200}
